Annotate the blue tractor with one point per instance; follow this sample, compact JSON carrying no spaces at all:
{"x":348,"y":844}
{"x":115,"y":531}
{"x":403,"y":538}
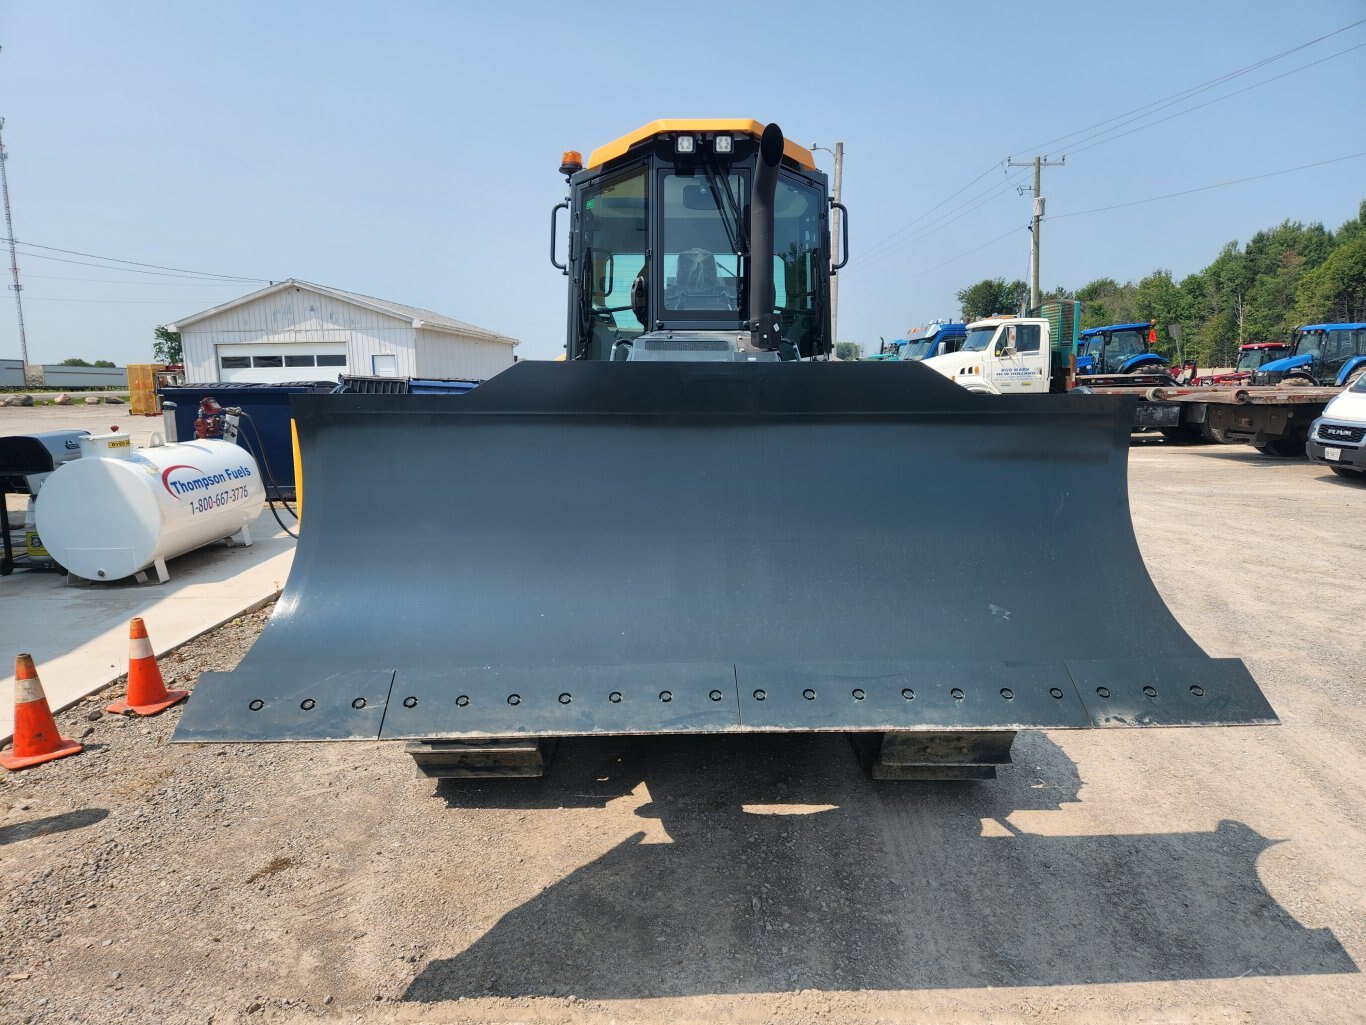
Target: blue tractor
{"x":1120,"y":349}
{"x":1323,"y":354}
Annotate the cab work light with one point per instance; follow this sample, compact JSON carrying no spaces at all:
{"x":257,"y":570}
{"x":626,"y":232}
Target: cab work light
{"x":684,"y":144}
{"x":723,"y":143}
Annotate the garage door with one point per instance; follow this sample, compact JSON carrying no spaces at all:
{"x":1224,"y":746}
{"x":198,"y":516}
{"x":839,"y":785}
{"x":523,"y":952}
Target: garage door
{"x":265,"y":363}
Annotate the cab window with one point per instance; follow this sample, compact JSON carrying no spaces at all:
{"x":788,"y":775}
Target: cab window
{"x":1309,"y":343}
{"x":1027,"y":338}
{"x":1338,"y":345}
{"x":704,"y":233}
{"x":613,"y":227}
{"x":798,"y":215}
{"x":1123,"y":344}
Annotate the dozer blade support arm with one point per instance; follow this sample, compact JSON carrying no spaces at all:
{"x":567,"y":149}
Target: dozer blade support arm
{"x":611,"y":548}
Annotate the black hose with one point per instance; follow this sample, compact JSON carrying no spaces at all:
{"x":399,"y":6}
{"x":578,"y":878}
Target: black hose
{"x":269,"y":479}
{"x":276,"y":513}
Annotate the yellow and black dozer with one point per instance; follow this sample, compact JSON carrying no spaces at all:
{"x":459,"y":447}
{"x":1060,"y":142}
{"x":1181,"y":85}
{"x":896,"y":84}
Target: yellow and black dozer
{"x":699,"y":522}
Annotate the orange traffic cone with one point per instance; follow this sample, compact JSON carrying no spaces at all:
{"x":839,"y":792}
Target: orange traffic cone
{"x":36,"y":739}
{"x":147,"y":695}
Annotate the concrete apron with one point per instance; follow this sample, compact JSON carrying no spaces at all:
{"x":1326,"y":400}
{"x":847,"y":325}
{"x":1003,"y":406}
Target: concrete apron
{"x":78,"y":636}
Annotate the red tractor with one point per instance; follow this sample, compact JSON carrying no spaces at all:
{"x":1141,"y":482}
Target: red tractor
{"x":1250,"y":360}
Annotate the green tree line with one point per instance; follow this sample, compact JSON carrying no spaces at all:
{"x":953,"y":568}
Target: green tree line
{"x":1283,"y":277}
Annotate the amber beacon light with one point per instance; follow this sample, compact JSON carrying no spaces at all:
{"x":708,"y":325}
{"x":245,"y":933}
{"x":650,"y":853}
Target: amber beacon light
{"x":571,"y":162}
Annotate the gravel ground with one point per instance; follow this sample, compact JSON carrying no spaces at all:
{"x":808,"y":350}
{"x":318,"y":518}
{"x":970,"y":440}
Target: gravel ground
{"x":1108,"y":876}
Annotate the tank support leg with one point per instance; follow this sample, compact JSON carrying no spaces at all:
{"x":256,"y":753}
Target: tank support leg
{"x":481,"y":759}
{"x":159,"y":565}
{"x":934,"y":756}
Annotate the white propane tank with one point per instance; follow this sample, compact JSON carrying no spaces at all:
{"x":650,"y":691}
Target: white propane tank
{"x":118,"y":510}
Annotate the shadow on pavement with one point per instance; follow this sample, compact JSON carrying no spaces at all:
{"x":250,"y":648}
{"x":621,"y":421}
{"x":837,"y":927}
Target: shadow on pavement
{"x":894,"y":887}
{"x":1356,"y":483}
{"x":1246,"y":454}
{"x":17,"y":831}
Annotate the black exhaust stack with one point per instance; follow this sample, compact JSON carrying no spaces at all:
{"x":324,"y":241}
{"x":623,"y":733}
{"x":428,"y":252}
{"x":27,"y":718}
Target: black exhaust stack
{"x":763,"y":322}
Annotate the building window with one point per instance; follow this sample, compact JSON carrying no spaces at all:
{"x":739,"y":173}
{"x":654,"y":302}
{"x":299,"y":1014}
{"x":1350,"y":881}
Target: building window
{"x":267,"y":361}
{"x":384,"y":364}
{"x":331,"y":361}
{"x":298,"y":361}
{"x":234,"y":362}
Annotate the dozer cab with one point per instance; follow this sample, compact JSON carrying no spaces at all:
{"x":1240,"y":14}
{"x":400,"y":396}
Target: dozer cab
{"x":683,"y":527}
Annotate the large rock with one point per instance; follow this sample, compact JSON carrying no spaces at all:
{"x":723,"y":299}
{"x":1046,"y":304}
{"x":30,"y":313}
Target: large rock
{"x":17,"y":400}
{"x":62,"y":400}
{"x":113,"y":400}
{"x":93,"y":400}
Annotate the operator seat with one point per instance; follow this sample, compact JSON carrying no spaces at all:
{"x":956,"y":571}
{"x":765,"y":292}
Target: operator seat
{"x":697,"y":286}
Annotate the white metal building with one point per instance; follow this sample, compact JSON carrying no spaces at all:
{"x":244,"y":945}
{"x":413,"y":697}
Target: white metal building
{"x":298,"y":331}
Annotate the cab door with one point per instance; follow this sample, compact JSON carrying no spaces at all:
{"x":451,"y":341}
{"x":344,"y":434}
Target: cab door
{"x":1021,"y":364}
{"x":1337,"y":349}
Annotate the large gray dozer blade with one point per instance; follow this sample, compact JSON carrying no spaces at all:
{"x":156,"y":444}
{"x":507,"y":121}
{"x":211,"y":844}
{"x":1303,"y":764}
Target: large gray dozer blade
{"x":634,"y":547}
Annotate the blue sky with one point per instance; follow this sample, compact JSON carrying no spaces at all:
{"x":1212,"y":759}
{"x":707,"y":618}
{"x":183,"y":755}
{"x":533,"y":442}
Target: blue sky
{"x":409,"y":150}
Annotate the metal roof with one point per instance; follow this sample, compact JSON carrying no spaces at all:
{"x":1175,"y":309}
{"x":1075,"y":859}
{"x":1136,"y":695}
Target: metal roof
{"x":1331,"y":327}
{"x":415,"y":315}
{"x":1144,"y":326}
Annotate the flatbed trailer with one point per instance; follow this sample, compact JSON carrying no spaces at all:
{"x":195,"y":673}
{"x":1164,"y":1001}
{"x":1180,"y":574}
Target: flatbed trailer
{"x":1275,"y":421}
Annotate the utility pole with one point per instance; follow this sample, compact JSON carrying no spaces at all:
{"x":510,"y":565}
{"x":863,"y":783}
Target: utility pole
{"x":835,"y":236}
{"x":1039,"y":164}
{"x":13,"y":259}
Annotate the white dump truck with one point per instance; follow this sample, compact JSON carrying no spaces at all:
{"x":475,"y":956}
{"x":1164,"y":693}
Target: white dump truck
{"x":1006,"y":356}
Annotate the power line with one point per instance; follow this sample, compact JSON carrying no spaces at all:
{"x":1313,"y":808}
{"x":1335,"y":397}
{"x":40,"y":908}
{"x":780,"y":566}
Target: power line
{"x":950,"y":217}
{"x":1098,"y":138}
{"x":133,"y":263}
{"x":881,"y":249}
{"x":123,"y":281}
{"x":1078,"y":213}
{"x":1216,"y":185}
{"x":973,"y":202}
{"x":154,"y":302}
{"x":1195,"y":90}
{"x":942,"y":263}
{"x":877,"y":245}
{"x":1199,"y":106}
{"x":885,"y":246}
{"x":130,"y":270}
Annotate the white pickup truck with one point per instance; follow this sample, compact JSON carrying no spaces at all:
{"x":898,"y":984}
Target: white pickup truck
{"x":1001,"y":356}
{"x":1338,"y":437}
